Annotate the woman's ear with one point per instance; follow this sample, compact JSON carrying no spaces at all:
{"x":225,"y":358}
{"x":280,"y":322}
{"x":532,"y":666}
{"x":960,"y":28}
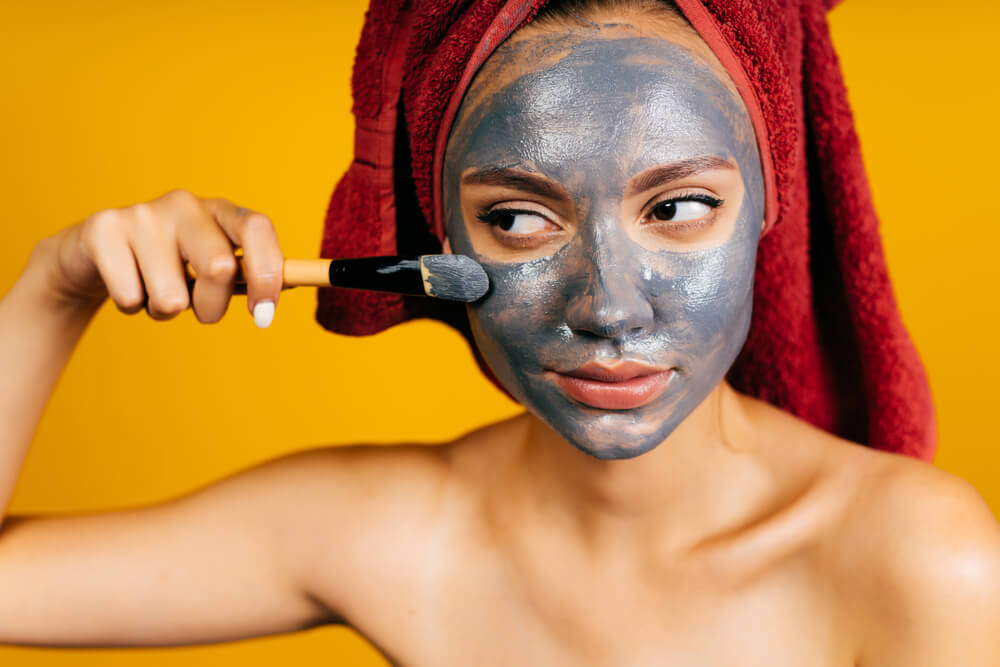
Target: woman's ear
{"x":446,"y":247}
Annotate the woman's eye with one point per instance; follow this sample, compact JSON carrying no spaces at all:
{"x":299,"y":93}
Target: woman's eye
{"x":516,"y":222}
{"x":680,"y":210}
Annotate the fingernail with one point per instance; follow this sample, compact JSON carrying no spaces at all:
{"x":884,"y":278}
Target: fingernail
{"x":263,"y":313}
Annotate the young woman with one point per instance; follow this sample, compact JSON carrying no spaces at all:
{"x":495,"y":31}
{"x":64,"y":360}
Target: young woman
{"x":605,"y":168}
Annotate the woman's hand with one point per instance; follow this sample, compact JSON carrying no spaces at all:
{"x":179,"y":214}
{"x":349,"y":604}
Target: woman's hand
{"x":138,"y":251}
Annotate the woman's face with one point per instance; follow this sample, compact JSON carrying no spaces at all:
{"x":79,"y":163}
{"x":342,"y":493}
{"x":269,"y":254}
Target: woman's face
{"x":611,"y":187}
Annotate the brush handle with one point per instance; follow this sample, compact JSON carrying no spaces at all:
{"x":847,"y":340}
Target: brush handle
{"x":381,"y":274}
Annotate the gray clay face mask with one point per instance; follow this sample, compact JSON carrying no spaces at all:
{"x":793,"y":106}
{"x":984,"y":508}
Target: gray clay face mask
{"x":619,"y":208}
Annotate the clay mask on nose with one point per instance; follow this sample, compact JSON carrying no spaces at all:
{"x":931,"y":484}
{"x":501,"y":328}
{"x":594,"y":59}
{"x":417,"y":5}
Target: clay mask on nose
{"x":589,"y":114}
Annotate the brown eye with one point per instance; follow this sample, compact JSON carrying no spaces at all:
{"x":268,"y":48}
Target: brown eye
{"x":665,"y":210}
{"x":515,"y":221}
{"x":680,"y":210}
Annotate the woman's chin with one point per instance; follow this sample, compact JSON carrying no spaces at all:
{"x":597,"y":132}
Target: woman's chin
{"x":616,"y":452}
{"x":611,"y":435}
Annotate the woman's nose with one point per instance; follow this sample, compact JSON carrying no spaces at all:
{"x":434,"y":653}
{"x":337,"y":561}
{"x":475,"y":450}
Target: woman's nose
{"x":611,"y":306}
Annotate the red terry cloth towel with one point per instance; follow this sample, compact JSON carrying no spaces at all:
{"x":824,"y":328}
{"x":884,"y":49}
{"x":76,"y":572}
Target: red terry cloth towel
{"x":826,"y":341}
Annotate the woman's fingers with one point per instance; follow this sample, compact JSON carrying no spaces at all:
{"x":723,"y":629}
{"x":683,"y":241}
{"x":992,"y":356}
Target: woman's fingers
{"x":203,"y":243}
{"x":262,"y":257}
{"x":105,"y":240}
{"x":136,"y":256}
{"x":154,"y":243}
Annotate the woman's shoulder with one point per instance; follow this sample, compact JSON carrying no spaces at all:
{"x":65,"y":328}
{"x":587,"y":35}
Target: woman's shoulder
{"x":915,"y":521}
{"x":414,"y":477}
{"x":937,"y":527}
{"x":883,"y":493}
{"x":909,"y":553}
{"x":893,"y":515}
{"x":918,"y":561}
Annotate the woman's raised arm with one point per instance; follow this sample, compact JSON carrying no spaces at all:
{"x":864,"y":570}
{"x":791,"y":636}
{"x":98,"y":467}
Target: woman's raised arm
{"x":136,"y":256}
{"x":229,"y":561}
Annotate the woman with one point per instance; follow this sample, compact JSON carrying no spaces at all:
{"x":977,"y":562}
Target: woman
{"x":604,"y":167}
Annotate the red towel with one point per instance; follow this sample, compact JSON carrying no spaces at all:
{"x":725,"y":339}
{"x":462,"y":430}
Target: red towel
{"x":826,"y":341}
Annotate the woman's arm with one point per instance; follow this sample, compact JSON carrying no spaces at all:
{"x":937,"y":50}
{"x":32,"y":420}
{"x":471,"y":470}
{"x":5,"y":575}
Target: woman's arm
{"x":235,"y":559}
{"x":135,"y":256}
{"x":239,"y":558}
{"x":229,"y":561}
{"x":37,"y":336}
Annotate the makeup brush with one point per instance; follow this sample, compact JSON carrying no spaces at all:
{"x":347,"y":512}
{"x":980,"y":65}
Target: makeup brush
{"x":451,"y":277}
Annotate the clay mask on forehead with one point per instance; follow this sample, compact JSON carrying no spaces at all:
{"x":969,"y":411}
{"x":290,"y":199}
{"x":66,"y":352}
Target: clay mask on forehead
{"x":623,"y":282}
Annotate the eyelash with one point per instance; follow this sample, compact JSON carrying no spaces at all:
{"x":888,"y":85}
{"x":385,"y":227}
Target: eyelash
{"x":714,"y":202}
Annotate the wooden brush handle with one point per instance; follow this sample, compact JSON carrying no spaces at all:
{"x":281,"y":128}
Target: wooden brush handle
{"x":398,"y":275}
{"x":294,"y":273}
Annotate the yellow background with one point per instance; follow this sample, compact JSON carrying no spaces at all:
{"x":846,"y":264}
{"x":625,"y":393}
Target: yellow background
{"x":104,"y":104}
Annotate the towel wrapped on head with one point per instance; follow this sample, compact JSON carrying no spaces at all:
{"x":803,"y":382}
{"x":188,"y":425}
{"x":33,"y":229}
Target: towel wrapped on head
{"x":826,"y":341}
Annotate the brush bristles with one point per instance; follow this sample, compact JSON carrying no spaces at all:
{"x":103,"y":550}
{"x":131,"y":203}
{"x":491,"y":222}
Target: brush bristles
{"x":453,"y":277}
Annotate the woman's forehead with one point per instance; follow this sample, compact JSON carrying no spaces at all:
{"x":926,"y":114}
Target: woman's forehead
{"x":536,"y":47}
{"x":594,"y":96}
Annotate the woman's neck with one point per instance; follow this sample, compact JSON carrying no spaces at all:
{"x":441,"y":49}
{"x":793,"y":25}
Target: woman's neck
{"x":702,"y":478}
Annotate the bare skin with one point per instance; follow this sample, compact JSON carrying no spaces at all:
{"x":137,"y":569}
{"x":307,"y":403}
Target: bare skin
{"x":510,"y":546}
{"x":746,"y":537}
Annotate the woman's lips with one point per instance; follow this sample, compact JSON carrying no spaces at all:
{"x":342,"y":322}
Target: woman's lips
{"x":624,"y":386}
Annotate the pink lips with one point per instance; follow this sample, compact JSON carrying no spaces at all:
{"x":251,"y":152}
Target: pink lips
{"x":623,"y":386}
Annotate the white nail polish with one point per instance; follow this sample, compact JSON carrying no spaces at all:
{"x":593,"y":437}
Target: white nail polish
{"x":263,"y":313}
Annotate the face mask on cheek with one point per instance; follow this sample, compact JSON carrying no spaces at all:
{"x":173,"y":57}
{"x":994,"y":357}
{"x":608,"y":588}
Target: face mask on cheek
{"x":610,"y":342}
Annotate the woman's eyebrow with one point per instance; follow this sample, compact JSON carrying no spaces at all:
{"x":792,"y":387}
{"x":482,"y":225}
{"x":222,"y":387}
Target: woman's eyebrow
{"x":674,"y":171}
{"x":518,"y":180}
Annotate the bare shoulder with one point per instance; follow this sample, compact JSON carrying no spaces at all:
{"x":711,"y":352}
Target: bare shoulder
{"x":909,"y":554}
{"x":350,"y":508}
{"x":921,"y":555}
{"x":386,"y":517}
{"x":394,"y":488}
